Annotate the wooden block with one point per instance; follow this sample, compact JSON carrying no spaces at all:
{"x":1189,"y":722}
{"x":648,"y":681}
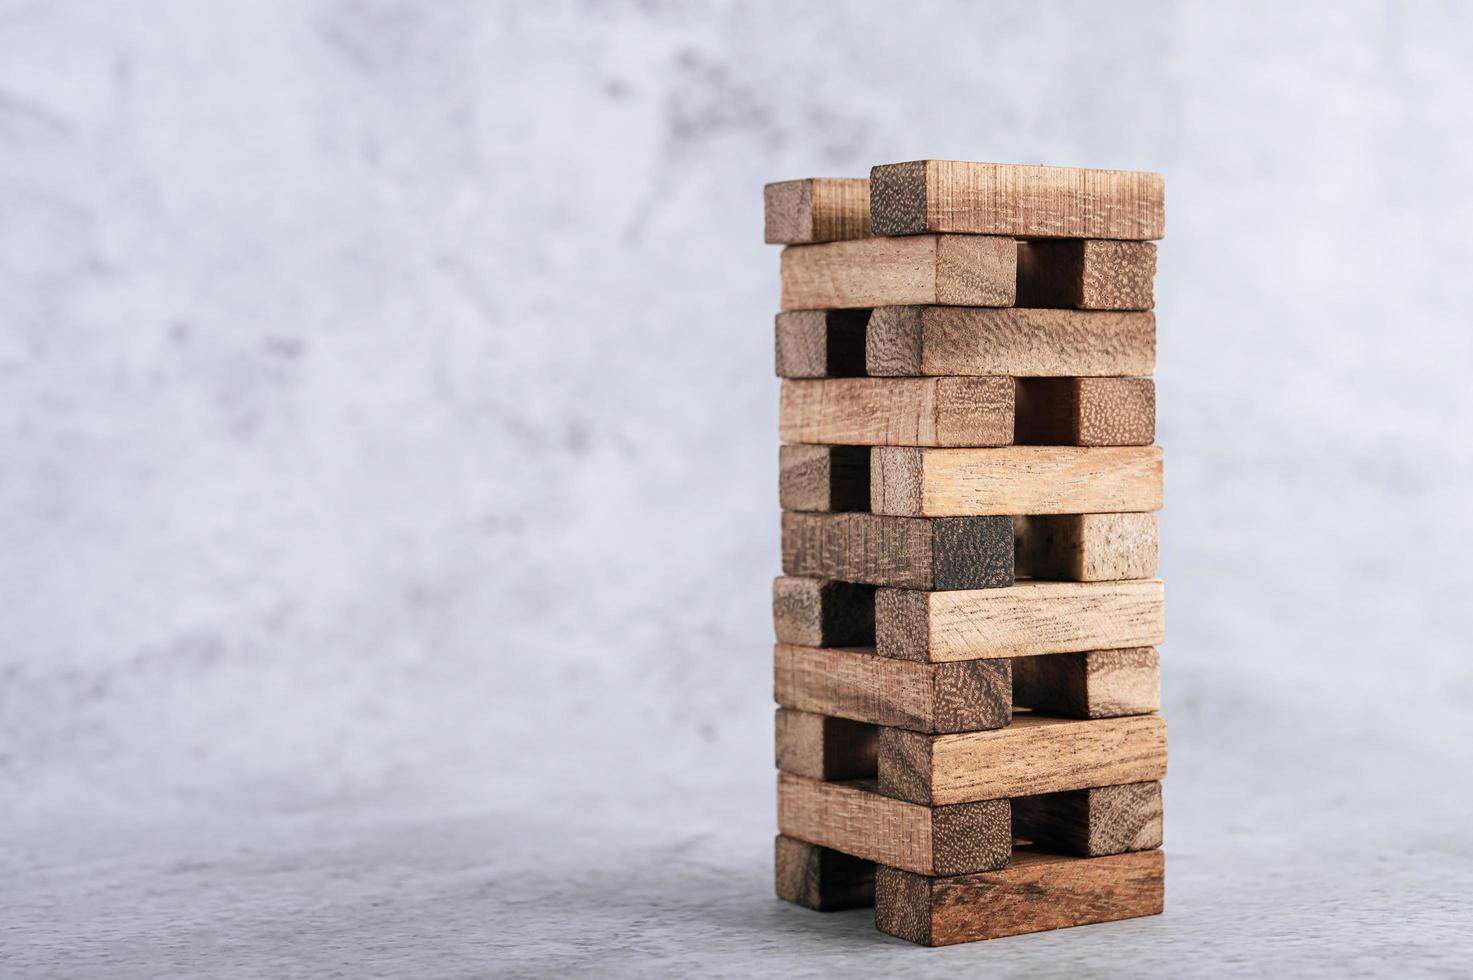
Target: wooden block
{"x":950,"y":270}
{"x":1014,"y":480}
{"x":1024,"y":200}
{"x":1084,"y":411}
{"x":1087,"y":275}
{"x":823,"y":343}
{"x":818,"y":209}
{"x":1091,"y":822}
{"x":854,"y":819}
{"x":1093,"y":684}
{"x":823,"y":478}
{"x":824,"y":747}
{"x":858,"y":684}
{"x":1035,"y":754}
{"x":820,"y":613}
{"x":912,"y":341}
{"x":971,"y":553}
{"x":821,"y":879}
{"x":1086,"y":547}
{"x":1036,"y":892}
{"x":898,"y":411}
{"x":1027,"y":619}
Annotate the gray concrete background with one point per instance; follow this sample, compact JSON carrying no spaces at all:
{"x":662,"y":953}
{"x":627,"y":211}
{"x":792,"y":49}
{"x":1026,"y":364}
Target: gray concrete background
{"x":387,"y":473}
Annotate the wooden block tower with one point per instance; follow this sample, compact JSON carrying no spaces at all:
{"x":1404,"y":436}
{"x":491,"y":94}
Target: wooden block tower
{"x":966,"y":672}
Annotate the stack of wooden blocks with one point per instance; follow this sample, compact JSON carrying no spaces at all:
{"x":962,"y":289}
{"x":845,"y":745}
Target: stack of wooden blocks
{"x":968,"y":736}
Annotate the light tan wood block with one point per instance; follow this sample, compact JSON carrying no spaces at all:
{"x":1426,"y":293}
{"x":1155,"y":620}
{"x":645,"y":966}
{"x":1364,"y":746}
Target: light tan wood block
{"x":1091,"y":822}
{"x":1093,"y":684}
{"x":821,"y":343}
{"x":1036,"y":892}
{"x":1085,"y":412}
{"x":816,"y":209}
{"x":1024,"y":200}
{"x":858,"y":684}
{"x":1087,"y":275}
{"x":912,"y":341}
{"x":854,"y":819}
{"x":950,"y":270}
{"x":898,"y":411}
{"x":1014,"y":480}
{"x":823,"y":746}
{"x":915,"y":553}
{"x":1035,"y":754}
{"x":820,"y":878}
{"x":823,"y":478}
{"x":1027,"y":619}
{"x":823,"y":613}
{"x":1086,"y":547}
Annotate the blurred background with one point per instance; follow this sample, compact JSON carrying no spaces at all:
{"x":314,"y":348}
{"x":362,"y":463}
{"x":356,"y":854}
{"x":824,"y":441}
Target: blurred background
{"x":388,"y":471}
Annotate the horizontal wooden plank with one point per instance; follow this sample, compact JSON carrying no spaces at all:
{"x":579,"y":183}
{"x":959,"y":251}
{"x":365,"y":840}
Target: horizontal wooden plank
{"x":1036,"y":892}
{"x":1091,"y":822}
{"x":823,"y":343}
{"x":1035,"y":754}
{"x":823,"y":478}
{"x":914,"y":341}
{"x":1014,"y":480}
{"x":824,"y":746}
{"x":1087,"y":275}
{"x":1084,"y":412}
{"x":854,"y":819}
{"x":899,"y":411}
{"x":1026,"y":619}
{"x":950,"y":270}
{"x":861,"y":685}
{"x":1025,"y":200}
{"x":1086,"y":547}
{"x":816,"y":209}
{"x":823,"y":613}
{"x":821,"y":878}
{"x":1093,"y":684}
{"x":917,"y":553}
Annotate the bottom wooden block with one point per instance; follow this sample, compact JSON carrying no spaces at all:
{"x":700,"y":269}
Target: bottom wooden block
{"x":822,"y":879}
{"x":1036,"y":892}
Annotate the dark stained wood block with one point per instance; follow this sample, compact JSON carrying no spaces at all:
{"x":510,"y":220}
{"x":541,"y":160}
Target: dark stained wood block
{"x":972,"y":553}
{"x":1094,"y":684}
{"x":855,"y":683}
{"x":822,"y":613}
{"x":822,"y":343}
{"x":821,"y":879}
{"x":823,"y":478}
{"x":1087,"y":275}
{"x":1036,"y":892}
{"x":1091,"y":822}
{"x":824,"y":747}
{"x":1085,"y":412}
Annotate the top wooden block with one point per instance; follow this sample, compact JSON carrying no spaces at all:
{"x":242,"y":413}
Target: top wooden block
{"x":1024,"y":200}
{"x":819,"y":209}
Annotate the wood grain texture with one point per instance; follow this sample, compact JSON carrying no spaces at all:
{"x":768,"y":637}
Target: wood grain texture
{"x":898,"y":411}
{"x":854,"y":819}
{"x":1028,"y":619}
{"x":1024,"y":200}
{"x":950,"y":270}
{"x":1035,"y":754}
{"x":1085,"y":412}
{"x":1087,"y":275}
{"x":816,"y":209}
{"x":822,"y":343}
{"x":821,"y":879}
{"x":917,"y":553}
{"x":1086,"y":547}
{"x":824,"y":747}
{"x":858,"y":684}
{"x":1037,"y":892}
{"x":823,"y":478}
{"x":1014,"y":480}
{"x":913,"y":341}
{"x":1093,"y":684}
{"x":822,"y":613}
{"x":1091,"y":822}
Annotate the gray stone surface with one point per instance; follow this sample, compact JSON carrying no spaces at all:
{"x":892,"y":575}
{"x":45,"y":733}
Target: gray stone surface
{"x":388,"y":473}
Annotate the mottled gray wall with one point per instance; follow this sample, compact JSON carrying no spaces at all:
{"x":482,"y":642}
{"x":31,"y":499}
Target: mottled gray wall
{"x":387,"y":419}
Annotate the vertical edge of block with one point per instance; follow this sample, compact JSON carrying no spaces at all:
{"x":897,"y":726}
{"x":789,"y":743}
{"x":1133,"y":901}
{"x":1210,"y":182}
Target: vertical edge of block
{"x":904,"y":764}
{"x":903,"y":624}
{"x":787,"y":212}
{"x":898,"y":198}
{"x":894,"y":342}
{"x":972,"y":552}
{"x":976,"y":270}
{"x":974,"y":411}
{"x":895,"y":481}
{"x":971,"y":837}
{"x":972,"y":695}
{"x":903,"y":904}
